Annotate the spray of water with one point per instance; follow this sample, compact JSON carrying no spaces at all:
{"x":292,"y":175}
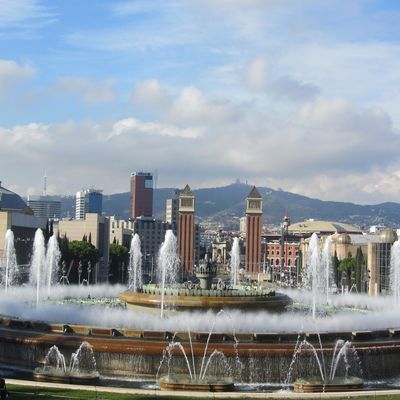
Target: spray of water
{"x":135,"y":265}
{"x":37,"y":274}
{"x":235,"y":261}
{"x":53,"y":256}
{"x":10,"y":267}
{"x":168,"y":263}
{"x":318,"y":272}
{"x":395,"y":272}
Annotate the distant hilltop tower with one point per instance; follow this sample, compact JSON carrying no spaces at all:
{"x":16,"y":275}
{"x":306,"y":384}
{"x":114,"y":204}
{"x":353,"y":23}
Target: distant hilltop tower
{"x":186,"y":229}
{"x":254,"y":215}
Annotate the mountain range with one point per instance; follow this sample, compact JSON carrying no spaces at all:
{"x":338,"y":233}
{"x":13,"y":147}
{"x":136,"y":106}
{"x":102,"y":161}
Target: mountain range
{"x":225,"y":205}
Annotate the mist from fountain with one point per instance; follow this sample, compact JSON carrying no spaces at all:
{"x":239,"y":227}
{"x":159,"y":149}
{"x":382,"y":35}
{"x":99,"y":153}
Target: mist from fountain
{"x":168,"y":263}
{"x":235,"y":261}
{"x":135,"y":265}
{"x":53,"y":257}
{"x":10,"y":267}
{"x":395,"y":272}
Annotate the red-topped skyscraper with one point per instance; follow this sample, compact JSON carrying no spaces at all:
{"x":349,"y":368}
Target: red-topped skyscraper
{"x":141,"y":194}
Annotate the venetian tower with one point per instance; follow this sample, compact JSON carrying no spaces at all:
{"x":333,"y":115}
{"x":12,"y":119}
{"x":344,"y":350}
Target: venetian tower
{"x":186,"y":232}
{"x":254,"y":220}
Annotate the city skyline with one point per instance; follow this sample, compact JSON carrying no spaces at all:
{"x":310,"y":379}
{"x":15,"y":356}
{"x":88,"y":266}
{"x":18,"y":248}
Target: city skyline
{"x":282,"y":94}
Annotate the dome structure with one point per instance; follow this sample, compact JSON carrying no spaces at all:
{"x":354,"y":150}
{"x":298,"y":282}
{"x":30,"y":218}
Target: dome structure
{"x":323,"y":227}
{"x":10,"y":201}
{"x":388,"y":236}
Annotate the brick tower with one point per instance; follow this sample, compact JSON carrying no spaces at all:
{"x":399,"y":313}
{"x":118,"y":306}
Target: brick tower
{"x":254,"y":214}
{"x":186,"y":231}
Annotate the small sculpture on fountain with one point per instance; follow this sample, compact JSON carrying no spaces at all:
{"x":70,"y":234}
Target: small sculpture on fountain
{"x":205,"y":272}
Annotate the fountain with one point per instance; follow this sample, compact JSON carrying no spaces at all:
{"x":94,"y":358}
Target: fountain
{"x":318,"y":274}
{"x":81,"y":369}
{"x":235,"y":261}
{"x":44,"y":264}
{"x":132,"y":344}
{"x":168,"y":262}
{"x":10,"y":267}
{"x":37,"y":273}
{"x":327,"y":381}
{"x":53,"y":257}
{"x":135,"y":265}
{"x":193,"y":380}
{"x":177,"y":297}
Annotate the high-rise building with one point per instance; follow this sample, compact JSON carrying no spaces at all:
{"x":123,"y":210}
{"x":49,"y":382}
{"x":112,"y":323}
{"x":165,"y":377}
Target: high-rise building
{"x":254,"y":213}
{"x":186,"y":230}
{"x":45,"y":207}
{"x":141,"y":194}
{"x":88,"y":201}
{"x":171,"y":211}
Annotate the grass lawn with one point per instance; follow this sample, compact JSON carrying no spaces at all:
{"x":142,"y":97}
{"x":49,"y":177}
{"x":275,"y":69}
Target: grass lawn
{"x":18,"y":392}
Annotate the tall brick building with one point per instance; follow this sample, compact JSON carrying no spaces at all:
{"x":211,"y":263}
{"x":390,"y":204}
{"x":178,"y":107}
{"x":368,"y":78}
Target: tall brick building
{"x":254,"y":221}
{"x":186,"y":230}
{"x":141,"y":194}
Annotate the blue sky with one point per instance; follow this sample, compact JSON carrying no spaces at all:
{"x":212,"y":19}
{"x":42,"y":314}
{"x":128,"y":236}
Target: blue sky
{"x":301,"y":95}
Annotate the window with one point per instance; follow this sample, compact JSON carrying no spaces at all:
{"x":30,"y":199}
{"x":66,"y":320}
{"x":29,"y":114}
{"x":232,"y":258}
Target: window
{"x":186,"y":202}
{"x":254,"y":204}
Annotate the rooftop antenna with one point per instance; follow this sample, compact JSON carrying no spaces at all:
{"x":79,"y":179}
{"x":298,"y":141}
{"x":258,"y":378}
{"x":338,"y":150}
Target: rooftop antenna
{"x":45,"y":184}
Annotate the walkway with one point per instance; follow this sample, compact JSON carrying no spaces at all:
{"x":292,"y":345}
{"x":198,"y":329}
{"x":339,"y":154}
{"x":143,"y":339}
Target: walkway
{"x":231,"y":395}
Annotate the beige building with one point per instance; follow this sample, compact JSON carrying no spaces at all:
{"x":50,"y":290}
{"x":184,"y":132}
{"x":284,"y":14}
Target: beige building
{"x":375,"y":248}
{"x":121,"y":231}
{"x":98,"y":228}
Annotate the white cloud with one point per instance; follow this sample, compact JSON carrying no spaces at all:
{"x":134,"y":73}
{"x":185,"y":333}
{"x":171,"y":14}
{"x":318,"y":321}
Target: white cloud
{"x":87,"y":90}
{"x":259,"y":76}
{"x":12,"y":74}
{"x":327,"y":148}
{"x":136,"y":127}
{"x":16,"y":12}
{"x":256,"y":74}
{"x":193,"y":107}
{"x":150,"y":93}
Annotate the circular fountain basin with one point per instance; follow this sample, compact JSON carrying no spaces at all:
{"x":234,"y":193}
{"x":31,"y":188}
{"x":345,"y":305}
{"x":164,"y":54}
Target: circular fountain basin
{"x":48,"y":374}
{"x":184,"y":382}
{"x":175,"y":300}
{"x":338,"y":384}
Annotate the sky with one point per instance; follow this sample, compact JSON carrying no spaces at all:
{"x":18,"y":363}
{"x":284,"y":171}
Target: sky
{"x":299,"y":95}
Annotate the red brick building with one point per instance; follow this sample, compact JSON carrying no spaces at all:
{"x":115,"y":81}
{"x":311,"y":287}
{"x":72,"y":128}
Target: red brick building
{"x":186,"y":229}
{"x":141,"y":194}
{"x":272,"y":249}
{"x":254,"y":222}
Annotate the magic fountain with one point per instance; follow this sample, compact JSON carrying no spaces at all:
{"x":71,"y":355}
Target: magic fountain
{"x":253,"y":346}
{"x":205,"y":295}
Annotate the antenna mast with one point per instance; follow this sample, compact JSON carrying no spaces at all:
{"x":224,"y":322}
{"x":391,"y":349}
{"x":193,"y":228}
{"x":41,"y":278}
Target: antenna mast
{"x":45,"y":184}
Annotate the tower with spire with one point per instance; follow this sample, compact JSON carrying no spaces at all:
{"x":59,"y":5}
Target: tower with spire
{"x":186,"y":230}
{"x":254,"y":219}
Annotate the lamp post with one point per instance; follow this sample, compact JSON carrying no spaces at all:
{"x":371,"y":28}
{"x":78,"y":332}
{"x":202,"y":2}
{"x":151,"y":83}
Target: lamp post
{"x":284,"y":232}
